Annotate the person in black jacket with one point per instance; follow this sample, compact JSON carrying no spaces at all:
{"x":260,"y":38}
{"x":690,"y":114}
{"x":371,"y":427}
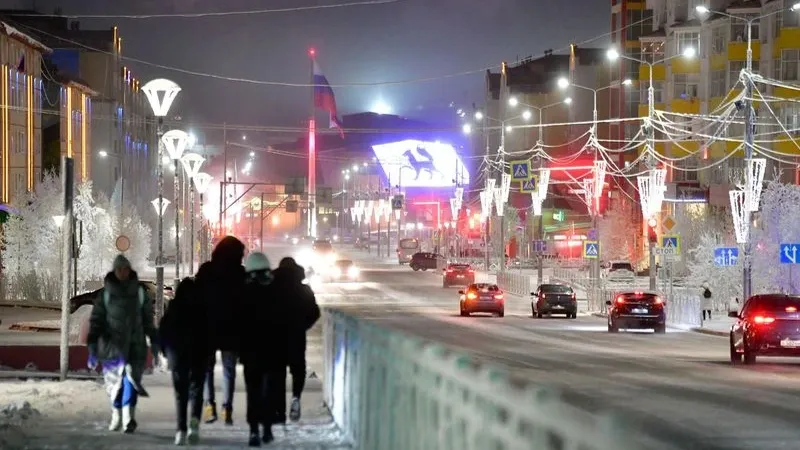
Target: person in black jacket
{"x":184,"y":337}
{"x":301,"y":314}
{"x":220,"y":282}
{"x":263,"y":344}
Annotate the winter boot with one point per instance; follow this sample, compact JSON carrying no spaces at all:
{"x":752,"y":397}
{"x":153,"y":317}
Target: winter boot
{"x":180,"y":438}
{"x":254,"y":440}
{"x":294,"y":410}
{"x":267,"y":436}
{"x":116,"y":420}
{"x":128,"y":419}
{"x":194,"y":431}
{"x":210,"y":413}
{"x":227,"y":415}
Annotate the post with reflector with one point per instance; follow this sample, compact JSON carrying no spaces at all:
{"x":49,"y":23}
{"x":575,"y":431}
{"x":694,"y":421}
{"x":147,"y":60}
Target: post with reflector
{"x":652,"y":239}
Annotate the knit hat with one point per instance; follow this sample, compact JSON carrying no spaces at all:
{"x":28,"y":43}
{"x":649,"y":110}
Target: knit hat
{"x":121,"y":262}
{"x":256,"y":262}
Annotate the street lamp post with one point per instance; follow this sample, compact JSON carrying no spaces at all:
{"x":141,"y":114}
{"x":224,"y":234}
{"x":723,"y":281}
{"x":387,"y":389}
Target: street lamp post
{"x":613,"y":54}
{"x":176,"y":142}
{"x":201,"y":183}
{"x":191,"y":166}
{"x":160,"y":95}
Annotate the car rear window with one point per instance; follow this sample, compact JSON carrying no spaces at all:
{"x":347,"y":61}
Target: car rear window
{"x":482,"y":286}
{"x":322,"y":245}
{"x":459,"y":266}
{"x":646,"y":297}
{"x":556,"y":288}
{"x":776,"y":303}
{"x":344,"y":263}
{"x":621,"y":266}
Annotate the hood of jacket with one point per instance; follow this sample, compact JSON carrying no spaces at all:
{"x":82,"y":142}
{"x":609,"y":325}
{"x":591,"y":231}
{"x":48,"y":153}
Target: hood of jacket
{"x":119,"y":288}
{"x":229,"y":251}
{"x":292,"y":275}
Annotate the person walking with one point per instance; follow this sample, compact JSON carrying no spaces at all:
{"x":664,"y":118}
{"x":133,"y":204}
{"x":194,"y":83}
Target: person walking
{"x":220,"y":282}
{"x":120,"y":323}
{"x":302,"y":312}
{"x":263,"y":345}
{"x":184,"y":338}
{"x":708,"y":302}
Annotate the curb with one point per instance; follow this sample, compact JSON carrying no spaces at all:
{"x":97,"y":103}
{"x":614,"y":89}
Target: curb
{"x":710,"y":332}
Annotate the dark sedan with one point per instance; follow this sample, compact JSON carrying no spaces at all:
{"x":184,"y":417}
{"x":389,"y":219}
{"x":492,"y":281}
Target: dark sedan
{"x":554,"y":299}
{"x":458,"y":275}
{"x":768,"y":325}
{"x":637,"y":310}
{"x":88,"y":298}
{"x":482,"y":298}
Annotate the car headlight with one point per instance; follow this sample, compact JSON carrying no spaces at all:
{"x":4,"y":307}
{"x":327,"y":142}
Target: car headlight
{"x":336,"y":272}
{"x":331,"y":257}
{"x":295,"y":241}
{"x":353,"y":271}
{"x":335,"y":238}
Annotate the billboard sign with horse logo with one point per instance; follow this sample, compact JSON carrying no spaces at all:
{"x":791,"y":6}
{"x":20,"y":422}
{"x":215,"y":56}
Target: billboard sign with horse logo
{"x":412,"y":163}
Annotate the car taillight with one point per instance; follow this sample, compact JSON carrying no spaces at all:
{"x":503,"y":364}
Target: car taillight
{"x":498,"y":296}
{"x":763,"y":320}
{"x":543,"y":296}
{"x":472,"y":296}
{"x":471,"y":271}
{"x":449,"y":270}
{"x":791,"y":309}
{"x":620,"y":300}
{"x":659,"y":301}
{"x":573,"y":296}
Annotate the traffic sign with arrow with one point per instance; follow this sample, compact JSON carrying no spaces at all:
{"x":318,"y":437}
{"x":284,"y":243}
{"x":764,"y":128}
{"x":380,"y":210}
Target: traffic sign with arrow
{"x":788,"y":254}
{"x":726,"y":256}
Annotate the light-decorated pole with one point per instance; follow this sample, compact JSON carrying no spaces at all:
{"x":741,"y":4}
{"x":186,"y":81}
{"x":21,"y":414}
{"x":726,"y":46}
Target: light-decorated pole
{"x":176,"y":143}
{"x":191,"y":166}
{"x":160,"y":95}
{"x":202,"y":181}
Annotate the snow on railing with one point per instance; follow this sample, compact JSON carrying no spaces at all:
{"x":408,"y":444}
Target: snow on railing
{"x":388,"y":390}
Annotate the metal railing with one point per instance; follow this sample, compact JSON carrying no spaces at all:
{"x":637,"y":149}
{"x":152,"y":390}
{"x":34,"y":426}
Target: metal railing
{"x":515,"y":283}
{"x":388,"y":390}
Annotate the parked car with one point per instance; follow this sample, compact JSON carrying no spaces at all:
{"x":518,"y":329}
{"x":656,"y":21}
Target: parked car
{"x":88,"y":298}
{"x":458,"y":275}
{"x":637,"y":310}
{"x":482,"y":298}
{"x":768,"y":325}
{"x":554,"y":299}
{"x":427,"y":260}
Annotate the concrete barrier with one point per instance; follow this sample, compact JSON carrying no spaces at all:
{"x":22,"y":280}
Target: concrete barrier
{"x":391,"y":391}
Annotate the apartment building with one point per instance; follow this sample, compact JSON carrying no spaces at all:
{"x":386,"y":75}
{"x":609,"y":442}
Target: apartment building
{"x":21,"y":100}
{"x":75,"y":126}
{"x":123,"y":139}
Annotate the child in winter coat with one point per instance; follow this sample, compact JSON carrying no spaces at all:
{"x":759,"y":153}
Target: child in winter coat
{"x":184,"y":337}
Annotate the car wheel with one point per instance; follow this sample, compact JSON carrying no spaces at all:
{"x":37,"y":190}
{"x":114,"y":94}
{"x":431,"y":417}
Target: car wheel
{"x":573,"y":316}
{"x":748,"y":356}
{"x":502,"y":313}
{"x":612,"y":327}
{"x":736,"y":357}
{"x":464,"y":313}
{"x":533,"y":312}
{"x":445,"y":285}
{"x":424,"y":269}
{"x":538,"y":315}
{"x":660,"y":329}
{"x":414,"y":266}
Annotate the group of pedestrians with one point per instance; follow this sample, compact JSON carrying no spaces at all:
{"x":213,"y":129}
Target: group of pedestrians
{"x":250,"y":314}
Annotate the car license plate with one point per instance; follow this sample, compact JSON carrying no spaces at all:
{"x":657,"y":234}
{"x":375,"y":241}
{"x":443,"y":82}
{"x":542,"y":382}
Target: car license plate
{"x":460,"y":276}
{"x":558,"y":307}
{"x":639,"y":311}
{"x":790,"y":343}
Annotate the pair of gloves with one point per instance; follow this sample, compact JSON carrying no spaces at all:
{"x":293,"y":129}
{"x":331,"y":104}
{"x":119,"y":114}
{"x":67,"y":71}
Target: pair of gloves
{"x":92,"y":361}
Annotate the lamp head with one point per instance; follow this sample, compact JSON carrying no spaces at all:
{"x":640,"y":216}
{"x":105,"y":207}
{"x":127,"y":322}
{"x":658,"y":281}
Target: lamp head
{"x":563,"y":83}
{"x":513,"y":101}
{"x":702,"y":9}
{"x":689,"y":52}
{"x":478,"y":115}
{"x":526,"y":115}
{"x":160,"y":93}
{"x":466,"y":128}
{"x":568,"y":100}
{"x":612,"y":54}
{"x":627,"y":82}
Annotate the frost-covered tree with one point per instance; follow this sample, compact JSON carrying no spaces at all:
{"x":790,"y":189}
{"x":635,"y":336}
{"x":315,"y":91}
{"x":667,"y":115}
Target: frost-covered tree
{"x":617,"y":231}
{"x":780,"y":215}
{"x":725,"y":282}
{"x":125,"y":220}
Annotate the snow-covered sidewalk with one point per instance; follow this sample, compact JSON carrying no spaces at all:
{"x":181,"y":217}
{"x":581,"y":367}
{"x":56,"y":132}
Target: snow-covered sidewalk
{"x":720,"y":325}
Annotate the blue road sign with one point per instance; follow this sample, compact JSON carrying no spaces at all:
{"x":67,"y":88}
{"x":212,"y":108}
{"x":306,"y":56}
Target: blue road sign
{"x":726,"y":256}
{"x":789,"y":253}
{"x":528,"y":186}
{"x":520,"y":170}
{"x":592,"y":235}
{"x":670,"y":242}
{"x":540,"y":246}
{"x":591,"y":249}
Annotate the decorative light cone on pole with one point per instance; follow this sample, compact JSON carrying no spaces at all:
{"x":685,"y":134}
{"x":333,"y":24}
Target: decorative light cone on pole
{"x":191,"y":166}
{"x":537,"y":199}
{"x":651,"y":195}
{"x":176,"y":142}
{"x":202,"y":181}
{"x":160,"y":94}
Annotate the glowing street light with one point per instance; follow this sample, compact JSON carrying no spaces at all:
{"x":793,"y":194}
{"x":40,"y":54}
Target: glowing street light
{"x":202,"y":181}
{"x":627,"y":82}
{"x":59,"y":220}
{"x":466,"y":128}
{"x":176,"y":142}
{"x":508,"y":128}
{"x":478,"y":115}
{"x":563,"y":83}
{"x":513,"y":101}
{"x":163,"y":208}
{"x":526,"y":115}
{"x":102,"y":153}
{"x":160,"y":93}
{"x":191,"y":167}
{"x":568,"y":100}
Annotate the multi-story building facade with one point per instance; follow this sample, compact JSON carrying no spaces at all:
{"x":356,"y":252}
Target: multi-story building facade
{"x":122,"y":138}
{"x":75,"y":126}
{"x":21,"y":100}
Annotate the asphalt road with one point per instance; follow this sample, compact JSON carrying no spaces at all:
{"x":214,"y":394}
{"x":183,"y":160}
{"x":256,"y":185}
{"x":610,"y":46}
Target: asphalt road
{"x":678,"y":387}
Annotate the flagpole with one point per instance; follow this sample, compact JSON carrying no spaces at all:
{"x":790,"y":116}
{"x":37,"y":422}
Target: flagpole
{"x":312,"y":157}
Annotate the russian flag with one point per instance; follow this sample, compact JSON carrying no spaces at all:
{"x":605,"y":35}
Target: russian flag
{"x":324,"y":98}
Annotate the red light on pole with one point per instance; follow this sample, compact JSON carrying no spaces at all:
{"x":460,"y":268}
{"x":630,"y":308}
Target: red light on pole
{"x":312,"y":52}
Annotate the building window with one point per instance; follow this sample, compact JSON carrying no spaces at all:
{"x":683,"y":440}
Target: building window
{"x":640,"y":23}
{"x":686,"y":41}
{"x":653,"y":51}
{"x":684,"y":87}
{"x":789,"y":18}
{"x":790,"y":116}
{"x":739,"y":29}
{"x":717,"y":88}
{"x":719,"y":40}
{"x":685,"y":170}
{"x":790,"y":59}
{"x":658,"y":92}
{"x":631,"y":129}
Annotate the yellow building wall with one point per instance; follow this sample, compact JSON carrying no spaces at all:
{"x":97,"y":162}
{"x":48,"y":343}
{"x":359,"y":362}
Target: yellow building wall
{"x":659,"y":72}
{"x":737,"y":51}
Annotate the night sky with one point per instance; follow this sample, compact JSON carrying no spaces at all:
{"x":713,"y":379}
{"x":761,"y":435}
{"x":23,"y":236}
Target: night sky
{"x":409,"y":39}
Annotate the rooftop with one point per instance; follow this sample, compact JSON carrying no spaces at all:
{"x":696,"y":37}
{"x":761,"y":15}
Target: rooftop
{"x":26,"y":39}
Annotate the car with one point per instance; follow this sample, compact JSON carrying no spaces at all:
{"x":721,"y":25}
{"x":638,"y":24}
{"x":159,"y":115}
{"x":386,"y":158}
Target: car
{"x":344,"y":270}
{"x":554,"y":299}
{"x":482,"y":298}
{"x":637,"y":310}
{"x":768,"y":325}
{"x":426,"y":260}
{"x":88,"y":298}
{"x":458,"y":275}
{"x":620,"y":271}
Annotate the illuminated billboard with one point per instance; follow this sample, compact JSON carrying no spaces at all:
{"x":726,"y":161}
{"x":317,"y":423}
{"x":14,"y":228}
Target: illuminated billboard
{"x":413,"y":163}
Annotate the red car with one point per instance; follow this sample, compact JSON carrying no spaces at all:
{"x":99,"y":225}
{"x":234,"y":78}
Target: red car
{"x":768,"y":325}
{"x":482,"y":298}
{"x":458,"y":275}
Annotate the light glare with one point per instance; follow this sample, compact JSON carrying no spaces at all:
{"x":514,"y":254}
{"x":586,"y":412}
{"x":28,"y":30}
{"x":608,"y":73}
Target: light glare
{"x":478,"y":115}
{"x":612,"y":54}
{"x":526,"y":115}
{"x":627,"y":82}
{"x":702,"y":9}
{"x":563,"y":83}
{"x":467,"y":128}
{"x":568,"y":100}
{"x":513,"y":101}
{"x":689,"y":52}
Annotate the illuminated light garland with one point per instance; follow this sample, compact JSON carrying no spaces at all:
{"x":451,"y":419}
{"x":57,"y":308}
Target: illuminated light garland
{"x":505,"y":185}
{"x":369,"y":206}
{"x":454,"y":208}
{"x":599,"y":177}
{"x":358,"y":207}
{"x":588,"y":194}
{"x":486,"y":204}
{"x":754,"y":180}
{"x":499,"y":204}
{"x":544,"y":183}
{"x":651,"y":191}
{"x":741,"y":217}
{"x":536,"y":202}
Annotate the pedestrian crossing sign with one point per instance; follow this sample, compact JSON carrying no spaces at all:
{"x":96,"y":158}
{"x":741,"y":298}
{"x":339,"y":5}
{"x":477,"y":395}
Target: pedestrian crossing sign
{"x":528,"y":186}
{"x":520,"y":170}
{"x":672,"y":242}
{"x":591,"y":249}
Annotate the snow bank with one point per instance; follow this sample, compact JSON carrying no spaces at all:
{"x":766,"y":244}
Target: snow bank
{"x":14,"y":418}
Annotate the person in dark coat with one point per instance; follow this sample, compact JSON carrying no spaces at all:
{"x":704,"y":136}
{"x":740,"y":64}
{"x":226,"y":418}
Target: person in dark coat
{"x":301,"y":314}
{"x":263,"y":344}
{"x":120,"y":323}
{"x":184,"y":338}
{"x":220,"y":283}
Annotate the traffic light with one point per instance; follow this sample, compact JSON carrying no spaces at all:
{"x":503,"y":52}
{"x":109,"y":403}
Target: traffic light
{"x":652,"y":237}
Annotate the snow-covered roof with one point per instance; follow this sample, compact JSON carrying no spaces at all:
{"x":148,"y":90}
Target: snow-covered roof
{"x":24,"y":38}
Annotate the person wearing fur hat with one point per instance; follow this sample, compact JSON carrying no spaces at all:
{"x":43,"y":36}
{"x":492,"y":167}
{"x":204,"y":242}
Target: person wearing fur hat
{"x":120,"y":323}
